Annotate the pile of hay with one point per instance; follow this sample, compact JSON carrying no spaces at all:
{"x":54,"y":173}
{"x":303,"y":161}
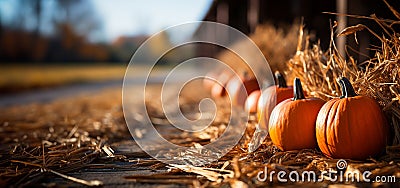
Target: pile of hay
{"x":278,"y":45}
{"x":377,"y":77}
{"x":40,"y":140}
{"x":318,"y":69}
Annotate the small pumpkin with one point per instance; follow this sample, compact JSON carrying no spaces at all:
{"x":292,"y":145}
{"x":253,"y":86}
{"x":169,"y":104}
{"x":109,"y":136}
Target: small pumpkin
{"x":270,"y":97}
{"x":239,"y":88}
{"x":218,"y":89}
{"x":292,"y":122}
{"x":251,"y":101}
{"x":208,"y":82}
{"x":352,"y":126}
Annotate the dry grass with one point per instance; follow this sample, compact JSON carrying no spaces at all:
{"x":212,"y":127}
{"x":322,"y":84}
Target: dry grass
{"x":240,"y":168}
{"x":80,"y":133}
{"x":377,"y":77}
{"x":278,"y":45}
{"x":60,"y":137}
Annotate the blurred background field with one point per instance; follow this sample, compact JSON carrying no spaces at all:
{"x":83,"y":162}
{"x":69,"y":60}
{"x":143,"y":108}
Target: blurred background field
{"x":18,"y":78}
{"x":44,"y":44}
{"x":50,"y":43}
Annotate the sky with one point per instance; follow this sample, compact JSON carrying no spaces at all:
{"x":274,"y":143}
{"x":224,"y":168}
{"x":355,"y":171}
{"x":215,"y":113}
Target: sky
{"x":128,"y":17}
{"x":133,"y":17}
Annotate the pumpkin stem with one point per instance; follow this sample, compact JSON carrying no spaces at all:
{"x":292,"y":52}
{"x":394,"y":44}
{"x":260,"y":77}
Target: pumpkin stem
{"x":280,"y":79}
{"x":347,"y":88}
{"x":298,"y":90}
{"x":245,"y":75}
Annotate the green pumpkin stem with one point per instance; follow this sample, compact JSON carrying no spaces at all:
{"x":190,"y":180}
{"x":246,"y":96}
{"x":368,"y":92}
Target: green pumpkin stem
{"x":298,"y":90}
{"x":347,"y":88}
{"x":280,"y":79}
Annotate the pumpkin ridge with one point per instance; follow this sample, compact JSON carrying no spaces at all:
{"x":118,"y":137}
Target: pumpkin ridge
{"x":332,"y":126}
{"x":351,"y":127}
{"x":292,"y":123}
{"x":324,"y":127}
{"x":358,"y":124}
{"x":347,"y":106}
{"x":379,"y":131}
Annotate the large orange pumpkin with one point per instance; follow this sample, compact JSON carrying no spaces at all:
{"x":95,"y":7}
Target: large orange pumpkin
{"x":352,"y":126}
{"x":270,"y":97}
{"x":239,"y":88}
{"x":292,"y":122}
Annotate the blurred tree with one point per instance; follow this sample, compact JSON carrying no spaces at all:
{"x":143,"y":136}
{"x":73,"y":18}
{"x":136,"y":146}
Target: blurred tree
{"x":27,"y":16}
{"x":37,"y":12}
{"x":40,"y":45}
{"x":1,"y":25}
{"x":1,"y":30}
{"x":80,"y":15}
{"x":75,"y":24}
{"x":22,"y":40}
{"x":124,"y":46}
{"x":52,"y":31}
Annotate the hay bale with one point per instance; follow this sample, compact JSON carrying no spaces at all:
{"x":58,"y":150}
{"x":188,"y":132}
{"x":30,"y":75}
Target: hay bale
{"x":377,"y":77}
{"x":278,"y":45}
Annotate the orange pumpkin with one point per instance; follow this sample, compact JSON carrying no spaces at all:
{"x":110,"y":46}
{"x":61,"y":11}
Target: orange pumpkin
{"x":251,"y":101}
{"x":208,"y":83}
{"x":239,"y":88}
{"x":218,"y":89}
{"x":292,"y":122}
{"x":352,"y":126}
{"x":270,"y":97}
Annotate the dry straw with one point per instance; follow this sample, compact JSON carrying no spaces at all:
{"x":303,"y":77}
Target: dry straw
{"x":278,"y":45}
{"x":377,"y":77}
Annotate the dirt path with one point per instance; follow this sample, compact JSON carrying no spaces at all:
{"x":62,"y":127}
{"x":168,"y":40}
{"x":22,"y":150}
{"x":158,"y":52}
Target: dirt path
{"x":50,"y":94}
{"x":97,"y":118}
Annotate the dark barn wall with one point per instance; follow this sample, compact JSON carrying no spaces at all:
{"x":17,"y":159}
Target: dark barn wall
{"x":236,"y":14}
{"x":287,"y":11}
{"x":366,"y":40}
{"x":276,"y":12}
